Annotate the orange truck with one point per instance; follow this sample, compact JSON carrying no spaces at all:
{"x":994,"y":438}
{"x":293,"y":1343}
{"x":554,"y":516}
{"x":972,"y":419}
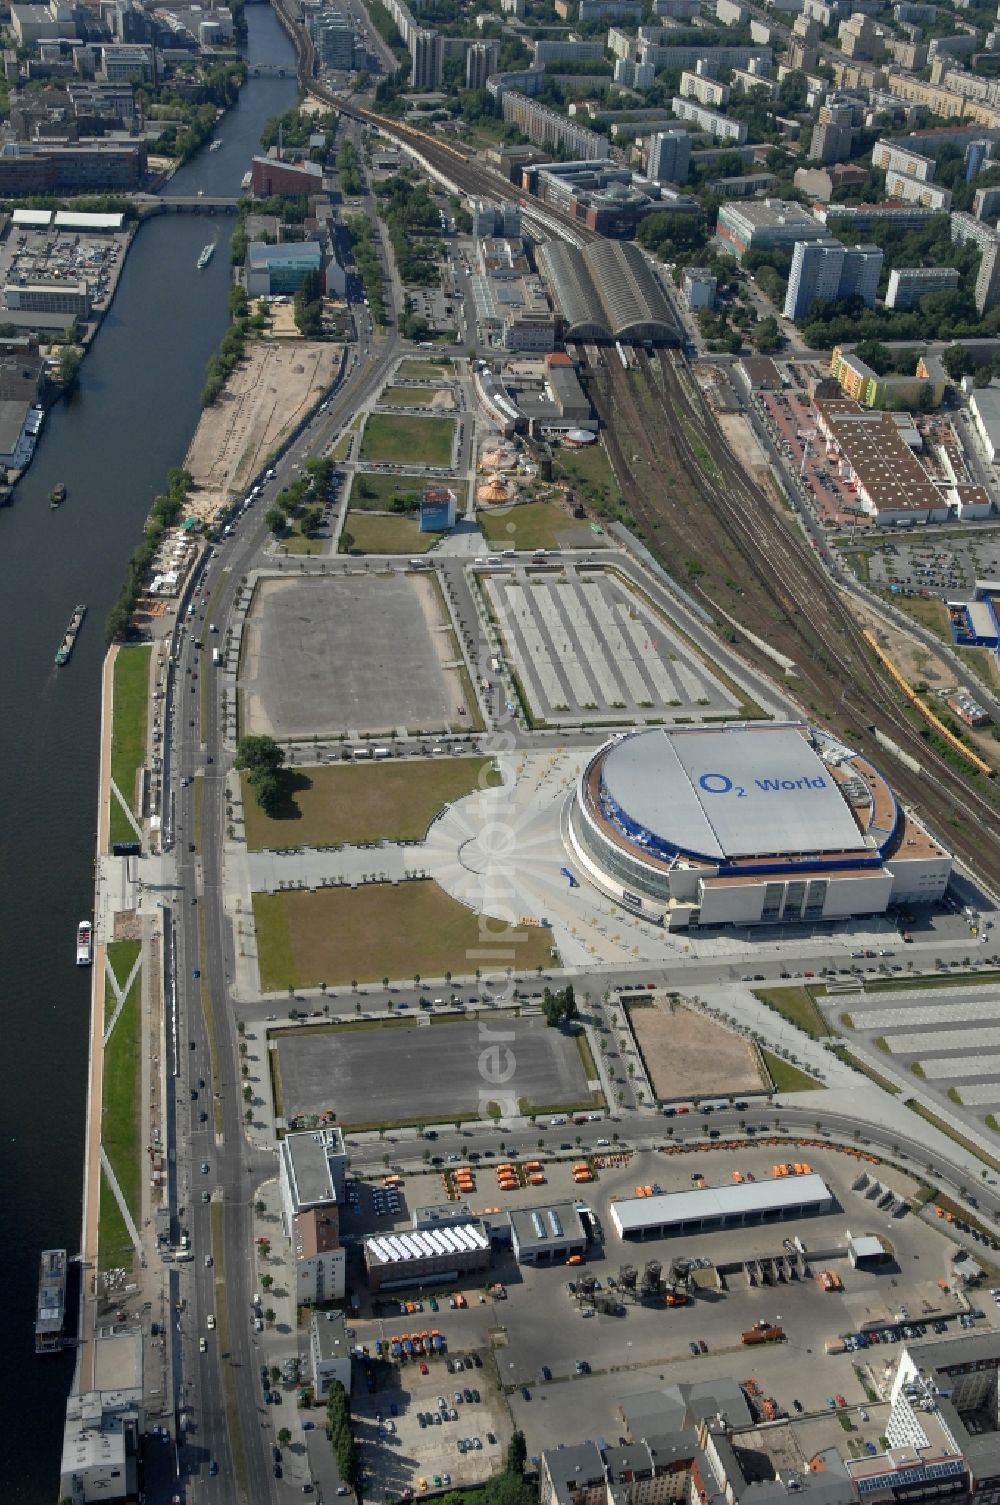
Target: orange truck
{"x":763,"y":1332}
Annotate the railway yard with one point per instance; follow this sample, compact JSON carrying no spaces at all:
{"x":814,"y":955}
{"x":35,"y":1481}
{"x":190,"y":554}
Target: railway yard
{"x":737,"y":554}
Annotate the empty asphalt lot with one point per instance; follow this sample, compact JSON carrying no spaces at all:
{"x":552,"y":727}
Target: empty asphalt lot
{"x":314,"y":649}
{"x":410,"y":1071}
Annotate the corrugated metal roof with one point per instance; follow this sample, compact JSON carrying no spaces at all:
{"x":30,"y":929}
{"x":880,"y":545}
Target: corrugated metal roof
{"x":636,"y":1213}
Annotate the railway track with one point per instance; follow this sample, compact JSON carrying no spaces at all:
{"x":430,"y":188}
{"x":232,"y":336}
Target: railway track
{"x":659,"y":429}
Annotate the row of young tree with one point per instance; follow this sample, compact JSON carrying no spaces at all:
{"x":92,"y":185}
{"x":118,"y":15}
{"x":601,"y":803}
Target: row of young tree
{"x":338,"y":1429}
{"x":165,"y":513}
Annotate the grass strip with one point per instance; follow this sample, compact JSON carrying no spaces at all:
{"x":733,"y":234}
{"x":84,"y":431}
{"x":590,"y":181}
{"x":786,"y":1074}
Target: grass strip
{"x":121,"y":958}
{"x":798,"y":1006}
{"x":968,"y":1145}
{"x":587,"y":1057}
{"x":233,"y":1421}
{"x":786,"y":1077}
{"x":933,"y":980}
{"x":130,"y":710}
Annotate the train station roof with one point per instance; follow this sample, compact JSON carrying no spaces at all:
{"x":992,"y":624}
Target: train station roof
{"x":606,"y":292}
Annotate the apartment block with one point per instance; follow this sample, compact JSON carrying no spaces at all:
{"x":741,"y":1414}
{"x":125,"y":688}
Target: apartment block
{"x":703,"y":88}
{"x":545,"y":127}
{"x":915,"y":191}
{"x":907,"y":285}
{"x":720,"y":127}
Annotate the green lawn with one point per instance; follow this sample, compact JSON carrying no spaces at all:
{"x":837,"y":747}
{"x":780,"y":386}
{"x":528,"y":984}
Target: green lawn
{"x":934,"y":980}
{"x":115,"y":1250}
{"x":120,"y":1108}
{"x":128,"y":732}
{"x":788,"y":1078}
{"x":590,"y":471}
{"x":418,"y":370}
{"x":405,"y":439}
{"x":408,"y":397}
{"x":365,"y":802}
{"x":532,"y":525}
{"x":374,"y":533}
{"x":340,"y":935}
{"x":372,"y":491}
{"x":797,"y":1006}
{"x":122,"y":957}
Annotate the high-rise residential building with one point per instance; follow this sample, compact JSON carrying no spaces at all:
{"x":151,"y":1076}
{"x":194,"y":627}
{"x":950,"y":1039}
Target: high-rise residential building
{"x":976,"y":156}
{"x":830,"y":142}
{"x":988,"y":280}
{"x":427,"y":58}
{"x":669,"y":157}
{"x":825,"y":271}
{"x":481,"y":60}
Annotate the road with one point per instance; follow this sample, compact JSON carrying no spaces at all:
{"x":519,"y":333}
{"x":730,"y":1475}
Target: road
{"x":209,"y":1043}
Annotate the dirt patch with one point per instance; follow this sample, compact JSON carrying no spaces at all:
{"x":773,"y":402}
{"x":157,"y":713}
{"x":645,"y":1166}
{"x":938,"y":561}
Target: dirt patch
{"x":743,"y":442}
{"x":267,"y":395}
{"x":687,"y":1055}
{"x":921,"y":665}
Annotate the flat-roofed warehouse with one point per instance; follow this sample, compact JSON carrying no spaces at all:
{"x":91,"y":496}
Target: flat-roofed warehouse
{"x":721,"y":1207}
{"x":547,"y":1235}
{"x":432,"y":1256}
{"x":607,"y":292}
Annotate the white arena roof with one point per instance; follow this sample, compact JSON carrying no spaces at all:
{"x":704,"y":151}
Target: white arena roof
{"x":32,"y":219}
{"x":738,"y":791}
{"x":749,"y":1200}
{"x":396,"y":1248}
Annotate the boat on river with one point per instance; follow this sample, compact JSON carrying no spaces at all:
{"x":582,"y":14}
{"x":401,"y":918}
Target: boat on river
{"x":215,"y":145}
{"x":84,"y":943}
{"x":70,"y":636}
{"x":206,"y":255}
{"x":58,"y":494}
{"x":50,"y":1309}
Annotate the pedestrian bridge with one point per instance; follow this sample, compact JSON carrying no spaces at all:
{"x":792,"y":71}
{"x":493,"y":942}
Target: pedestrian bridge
{"x":270,"y":70}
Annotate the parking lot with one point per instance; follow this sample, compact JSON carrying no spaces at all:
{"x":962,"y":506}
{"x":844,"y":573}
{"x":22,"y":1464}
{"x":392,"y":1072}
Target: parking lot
{"x":313,"y":648}
{"x":946,"y":567}
{"x":415,"y":1067}
{"x":946,"y":1035}
{"x":586,"y":649}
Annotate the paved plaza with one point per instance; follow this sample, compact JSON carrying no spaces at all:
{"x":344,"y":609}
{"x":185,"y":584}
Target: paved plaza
{"x":586,"y":648}
{"x":314,"y":646}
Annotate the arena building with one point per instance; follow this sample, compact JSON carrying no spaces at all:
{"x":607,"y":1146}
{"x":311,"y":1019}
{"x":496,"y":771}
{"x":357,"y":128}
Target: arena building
{"x":747,"y":824}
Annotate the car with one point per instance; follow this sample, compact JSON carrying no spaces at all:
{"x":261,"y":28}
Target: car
{"x":703,"y":1346}
{"x":277,"y":1470}
{"x":308,"y":1426}
{"x":491,"y":1438}
{"x":694,"y":1348}
{"x":467,"y":1397}
{"x":525,"y":1393}
{"x":275,"y":1452}
{"x":423,"y":1368}
{"x":195,"y":972}
{"x":546,"y":1372}
{"x":307,"y":1488}
{"x":202,"y":1346}
{"x":458,"y":1397}
{"x":213,"y":1468}
{"x":476,"y":1398}
{"x":206,"y":1196}
{"x":210,"y":1322}
{"x":582,"y":1367}
{"x":203,"y":1117}
{"x":421,"y":1420}
{"x":208,"y":1261}
{"x":477,"y":1361}
{"x":798,"y":1405}
{"x":446,"y":1479}
{"x":204,"y":1167}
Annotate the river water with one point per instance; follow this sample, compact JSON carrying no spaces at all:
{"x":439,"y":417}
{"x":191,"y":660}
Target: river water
{"x":132,"y":418}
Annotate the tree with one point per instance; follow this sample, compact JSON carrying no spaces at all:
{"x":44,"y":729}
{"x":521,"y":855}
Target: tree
{"x":284,"y":1437}
{"x":958,"y":362}
{"x":267,"y":1281}
{"x":269,"y":1315}
{"x":766,"y":335}
{"x":68,"y":370}
{"x":517,"y":1454}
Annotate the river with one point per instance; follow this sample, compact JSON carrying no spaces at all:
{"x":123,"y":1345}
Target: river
{"x":131,"y":419}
